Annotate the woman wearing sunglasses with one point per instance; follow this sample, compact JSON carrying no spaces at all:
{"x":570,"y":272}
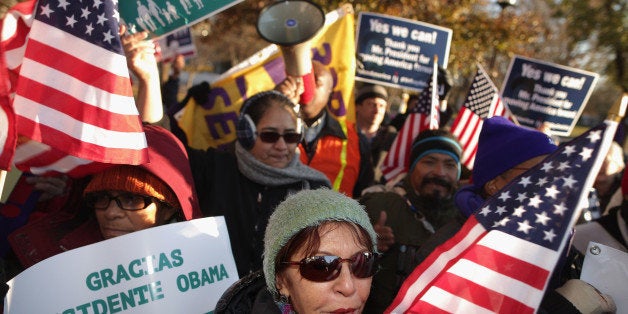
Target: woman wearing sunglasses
{"x":319,"y":257}
{"x":245,"y":187}
{"x":131,"y":198}
{"x":121,"y":199}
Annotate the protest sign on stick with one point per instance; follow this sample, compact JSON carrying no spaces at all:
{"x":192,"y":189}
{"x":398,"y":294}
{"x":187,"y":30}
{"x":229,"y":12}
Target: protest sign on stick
{"x":538,"y":92}
{"x":399,"y":52}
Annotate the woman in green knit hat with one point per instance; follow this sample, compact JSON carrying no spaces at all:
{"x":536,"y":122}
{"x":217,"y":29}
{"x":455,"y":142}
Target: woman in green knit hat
{"x":319,"y":256}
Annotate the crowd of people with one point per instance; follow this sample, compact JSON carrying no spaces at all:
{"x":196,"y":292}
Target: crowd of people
{"x":293,"y":191}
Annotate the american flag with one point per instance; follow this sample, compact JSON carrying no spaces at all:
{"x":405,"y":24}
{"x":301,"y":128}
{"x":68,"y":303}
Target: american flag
{"x":482,"y":102}
{"x":502,"y":258}
{"x":72,"y":99}
{"x":425,"y":116}
{"x":8,"y":134}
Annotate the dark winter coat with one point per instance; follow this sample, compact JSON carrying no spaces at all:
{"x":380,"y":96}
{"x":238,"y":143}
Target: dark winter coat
{"x":224,"y":191}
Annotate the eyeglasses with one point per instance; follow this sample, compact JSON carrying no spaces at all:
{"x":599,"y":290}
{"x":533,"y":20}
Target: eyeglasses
{"x":273,"y":137}
{"x":126,"y":201}
{"x":326,"y":268}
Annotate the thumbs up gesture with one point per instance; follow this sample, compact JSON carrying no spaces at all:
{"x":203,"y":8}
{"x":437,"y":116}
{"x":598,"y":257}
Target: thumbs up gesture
{"x":385,"y":236}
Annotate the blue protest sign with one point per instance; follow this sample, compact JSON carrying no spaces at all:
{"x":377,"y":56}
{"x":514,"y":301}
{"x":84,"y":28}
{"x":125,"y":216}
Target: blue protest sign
{"x":538,"y":92}
{"x":399,"y":52}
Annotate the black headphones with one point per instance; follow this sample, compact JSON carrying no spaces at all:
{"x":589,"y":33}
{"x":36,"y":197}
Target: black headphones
{"x":245,"y":128}
{"x":246,"y":131}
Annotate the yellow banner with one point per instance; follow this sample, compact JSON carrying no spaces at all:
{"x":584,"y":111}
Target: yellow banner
{"x":214,"y":123}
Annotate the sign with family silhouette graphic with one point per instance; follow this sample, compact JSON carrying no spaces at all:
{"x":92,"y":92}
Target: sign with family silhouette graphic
{"x":162,"y":17}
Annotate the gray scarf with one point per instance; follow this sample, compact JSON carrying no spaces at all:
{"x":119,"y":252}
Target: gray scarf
{"x":264,"y":174}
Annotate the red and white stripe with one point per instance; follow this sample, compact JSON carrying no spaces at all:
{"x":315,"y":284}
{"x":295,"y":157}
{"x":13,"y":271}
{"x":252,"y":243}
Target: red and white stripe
{"x":475,"y":272}
{"x":467,"y":127}
{"x":397,"y":159}
{"x":71,"y":96}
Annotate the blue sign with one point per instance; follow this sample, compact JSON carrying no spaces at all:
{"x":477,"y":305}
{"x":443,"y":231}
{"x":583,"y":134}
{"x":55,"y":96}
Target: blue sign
{"x":538,"y":92}
{"x":399,"y":52}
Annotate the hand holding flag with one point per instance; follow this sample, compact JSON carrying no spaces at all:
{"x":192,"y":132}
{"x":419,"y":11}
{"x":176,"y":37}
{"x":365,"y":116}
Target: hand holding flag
{"x":502,"y":258}
{"x":73,"y":99}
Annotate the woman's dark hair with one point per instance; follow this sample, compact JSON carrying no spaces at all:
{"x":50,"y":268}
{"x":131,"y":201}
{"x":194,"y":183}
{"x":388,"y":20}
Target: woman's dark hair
{"x":257,"y":105}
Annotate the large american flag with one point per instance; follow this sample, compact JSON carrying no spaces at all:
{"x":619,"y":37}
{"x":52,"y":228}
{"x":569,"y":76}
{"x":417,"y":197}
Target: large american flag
{"x":8,"y":134}
{"x":482,"y":102}
{"x":425,"y":116}
{"x":502,"y":258}
{"x":73,"y":102}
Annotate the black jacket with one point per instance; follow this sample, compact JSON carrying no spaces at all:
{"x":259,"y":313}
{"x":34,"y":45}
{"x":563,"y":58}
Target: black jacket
{"x":224,"y":191}
{"x":247,"y":295}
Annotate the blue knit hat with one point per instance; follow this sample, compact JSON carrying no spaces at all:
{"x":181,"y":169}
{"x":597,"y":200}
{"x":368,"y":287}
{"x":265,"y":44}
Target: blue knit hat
{"x":435,"y":141}
{"x":503,"y":145}
{"x":304,"y":209}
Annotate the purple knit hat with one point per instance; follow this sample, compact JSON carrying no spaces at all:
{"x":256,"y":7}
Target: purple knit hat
{"x":503,"y":145}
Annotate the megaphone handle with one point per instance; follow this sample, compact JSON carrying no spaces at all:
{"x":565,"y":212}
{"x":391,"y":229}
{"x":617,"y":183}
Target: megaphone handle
{"x":309,"y":87}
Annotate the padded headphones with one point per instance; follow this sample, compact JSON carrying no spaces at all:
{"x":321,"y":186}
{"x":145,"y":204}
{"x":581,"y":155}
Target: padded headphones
{"x":245,"y":131}
{"x":245,"y":128}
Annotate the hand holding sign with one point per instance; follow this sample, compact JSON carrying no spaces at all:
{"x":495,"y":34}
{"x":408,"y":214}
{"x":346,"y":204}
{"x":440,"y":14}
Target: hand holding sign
{"x":538,"y":92}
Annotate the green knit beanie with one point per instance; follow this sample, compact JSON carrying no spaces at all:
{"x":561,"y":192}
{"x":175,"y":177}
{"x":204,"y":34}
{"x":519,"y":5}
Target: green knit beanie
{"x":304,"y":209}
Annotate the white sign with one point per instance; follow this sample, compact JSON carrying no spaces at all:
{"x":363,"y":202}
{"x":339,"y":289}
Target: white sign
{"x":176,"y":268}
{"x":606,"y":269}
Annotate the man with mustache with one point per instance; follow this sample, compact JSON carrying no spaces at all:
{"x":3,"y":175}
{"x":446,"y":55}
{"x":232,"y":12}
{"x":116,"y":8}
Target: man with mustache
{"x":405,"y":218}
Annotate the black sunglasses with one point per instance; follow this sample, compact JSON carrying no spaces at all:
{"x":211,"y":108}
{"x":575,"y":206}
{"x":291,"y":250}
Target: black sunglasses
{"x":273,"y":137}
{"x":327,"y":267}
{"x":126,"y":201}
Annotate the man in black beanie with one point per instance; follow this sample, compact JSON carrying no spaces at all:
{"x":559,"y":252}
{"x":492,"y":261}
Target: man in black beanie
{"x":421,"y":204}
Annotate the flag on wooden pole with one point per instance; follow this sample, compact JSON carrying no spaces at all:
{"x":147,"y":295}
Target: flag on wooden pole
{"x":72,"y":99}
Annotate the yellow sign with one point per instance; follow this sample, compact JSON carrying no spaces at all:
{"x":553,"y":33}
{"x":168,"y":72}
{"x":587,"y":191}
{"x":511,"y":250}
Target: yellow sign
{"x":214,"y":123}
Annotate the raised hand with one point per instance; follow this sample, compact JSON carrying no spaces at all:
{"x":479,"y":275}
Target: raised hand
{"x":140,"y":56}
{"x":292,"y":87}
{"x":385,"y":236}
{"x":140,"y":53}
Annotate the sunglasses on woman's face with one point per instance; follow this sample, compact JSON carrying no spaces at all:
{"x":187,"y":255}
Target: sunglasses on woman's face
{"x":273,"y":137}
{"x":328,"y":267}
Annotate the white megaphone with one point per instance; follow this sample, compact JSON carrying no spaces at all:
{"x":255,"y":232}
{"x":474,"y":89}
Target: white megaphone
{"x":291,"y":24}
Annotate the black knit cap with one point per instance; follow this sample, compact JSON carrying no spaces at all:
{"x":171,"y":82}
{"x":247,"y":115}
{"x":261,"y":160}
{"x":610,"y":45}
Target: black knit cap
{"x":370,"y":91}
{"x":435,"y":141}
